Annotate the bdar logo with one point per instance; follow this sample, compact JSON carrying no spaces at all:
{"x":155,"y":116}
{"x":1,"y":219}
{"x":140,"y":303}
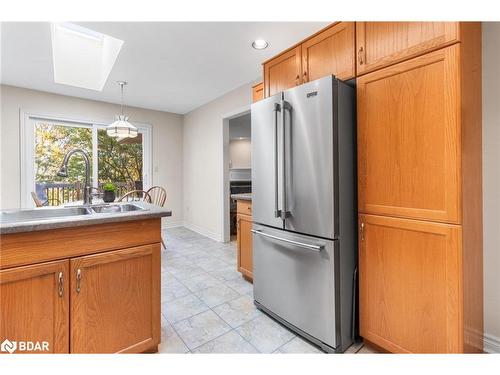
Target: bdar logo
{"x":8,"y":346}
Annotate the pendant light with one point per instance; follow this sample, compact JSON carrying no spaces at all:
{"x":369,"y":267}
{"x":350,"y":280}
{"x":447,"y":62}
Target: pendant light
{"x":121,"y":128}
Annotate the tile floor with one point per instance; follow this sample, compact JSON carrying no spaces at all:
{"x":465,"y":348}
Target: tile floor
{"x":207,"y":307}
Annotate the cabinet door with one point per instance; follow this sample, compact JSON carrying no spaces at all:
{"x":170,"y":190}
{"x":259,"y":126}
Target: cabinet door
{"x":381,"y":44}
{"x":34,"y":302}
{"x":115,"y":301}
{"x":410,"y":289}
{"x":258,"y":92}
{"x":330,"y":52}
{"x":409,"y":138}
{"x":283,"y":72}
{"x":244,"y":242}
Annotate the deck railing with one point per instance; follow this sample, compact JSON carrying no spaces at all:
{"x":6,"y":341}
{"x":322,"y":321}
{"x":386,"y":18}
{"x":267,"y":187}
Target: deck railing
{"x":56,"y":193}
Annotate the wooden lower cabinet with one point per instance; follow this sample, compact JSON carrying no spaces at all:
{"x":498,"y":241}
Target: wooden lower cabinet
{"x":34,"y":305}
{"x":115,"y":301}
{"x":244,"y":243}
{"x":411,"y":285}
{"x":104,"y":300}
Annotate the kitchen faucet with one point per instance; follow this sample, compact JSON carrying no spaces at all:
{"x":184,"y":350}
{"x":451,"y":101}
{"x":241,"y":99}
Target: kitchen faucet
{"x":63,"y":172}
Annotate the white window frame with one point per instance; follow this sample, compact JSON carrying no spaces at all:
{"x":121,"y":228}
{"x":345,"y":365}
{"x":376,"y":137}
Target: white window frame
{"x":27,"y":149}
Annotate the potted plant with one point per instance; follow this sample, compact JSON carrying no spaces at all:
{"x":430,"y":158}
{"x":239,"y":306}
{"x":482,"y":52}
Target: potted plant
{"x":109,"y":192}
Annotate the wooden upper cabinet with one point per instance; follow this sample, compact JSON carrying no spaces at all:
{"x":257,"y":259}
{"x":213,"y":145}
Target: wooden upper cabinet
{"x":115,"y":299}
{"x":330,"y":52}
{"x":34,"y":305}
{"x":410,"y":285}
{"x":409,"y":138}
{"x":257,"y":92}
{"x":381,"y":44}
{"x":283,"y":72}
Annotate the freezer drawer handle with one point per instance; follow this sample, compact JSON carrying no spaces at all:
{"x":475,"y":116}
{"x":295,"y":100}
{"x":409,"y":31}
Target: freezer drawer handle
{"x":296,"y":243}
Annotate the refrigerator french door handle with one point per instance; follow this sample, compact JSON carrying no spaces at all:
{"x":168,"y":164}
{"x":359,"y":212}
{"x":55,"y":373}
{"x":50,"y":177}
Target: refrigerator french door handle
{"x":277,"y":108}
{"x":296,"y":243}
{"x":285,"y":106}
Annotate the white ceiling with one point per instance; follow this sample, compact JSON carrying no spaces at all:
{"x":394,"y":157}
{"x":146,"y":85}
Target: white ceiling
{"x":170,"y":66}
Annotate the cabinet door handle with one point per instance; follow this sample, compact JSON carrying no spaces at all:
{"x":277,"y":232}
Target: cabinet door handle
{"x":78,"y":280}
{"x":297,"y":80}
{"x":305,"y":77}
{"x":362,"y":231}
{"x":60,"y":284}
{"x":360,"y":55}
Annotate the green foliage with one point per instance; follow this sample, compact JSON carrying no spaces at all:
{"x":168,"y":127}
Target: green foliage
{"x":117,"y":161}
{"x":52,"y":142}
{"x":109,"y":187}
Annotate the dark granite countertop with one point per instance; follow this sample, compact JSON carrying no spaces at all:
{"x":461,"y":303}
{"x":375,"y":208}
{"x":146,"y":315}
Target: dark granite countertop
{"x":243,"y":196}
{"x":8,"y":225}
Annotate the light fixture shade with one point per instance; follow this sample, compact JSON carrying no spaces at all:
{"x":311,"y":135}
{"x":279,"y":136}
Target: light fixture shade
{"x":121,"y":128}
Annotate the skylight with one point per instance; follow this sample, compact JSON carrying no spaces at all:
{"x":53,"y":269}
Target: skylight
{"x":82,"y":57}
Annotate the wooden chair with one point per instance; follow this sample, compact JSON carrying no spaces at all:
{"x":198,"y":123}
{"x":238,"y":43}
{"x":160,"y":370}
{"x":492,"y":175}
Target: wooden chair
{"x":136,"y":195}
{"x":39,"y":203}
{"x":158,"y":197}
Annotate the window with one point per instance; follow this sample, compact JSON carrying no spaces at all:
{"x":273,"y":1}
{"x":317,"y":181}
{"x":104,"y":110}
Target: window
{"x":46,"y":141}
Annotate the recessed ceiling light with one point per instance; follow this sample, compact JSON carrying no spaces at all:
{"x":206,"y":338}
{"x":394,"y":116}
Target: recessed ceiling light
{"x":82,"y":57}
{"x":260,"y":44}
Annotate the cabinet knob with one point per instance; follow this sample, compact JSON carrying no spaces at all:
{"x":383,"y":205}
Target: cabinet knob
{"x":297,"y":80}
{"x":360,"y":55}
{"x":60,"y":283}
{"x":78,"y":280}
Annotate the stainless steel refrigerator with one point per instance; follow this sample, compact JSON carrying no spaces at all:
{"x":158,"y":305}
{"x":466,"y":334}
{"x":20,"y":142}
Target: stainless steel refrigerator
{"x":304,"y":210}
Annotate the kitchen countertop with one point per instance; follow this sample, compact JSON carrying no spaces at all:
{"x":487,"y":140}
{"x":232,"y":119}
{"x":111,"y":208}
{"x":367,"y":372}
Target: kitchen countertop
{"x":243,"y":196}
{"x":151,"y":211}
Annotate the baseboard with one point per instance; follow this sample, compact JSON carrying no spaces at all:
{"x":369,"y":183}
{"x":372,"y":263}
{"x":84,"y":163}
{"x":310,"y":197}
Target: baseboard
{"x":203,"y":232}
{"x":491,"y":344}
{"x":172,"y":224}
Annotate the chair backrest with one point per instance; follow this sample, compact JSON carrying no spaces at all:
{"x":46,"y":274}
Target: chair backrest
{"x":37,"y":201}
{"x":158,"y":195}
{"x":136,"y":195}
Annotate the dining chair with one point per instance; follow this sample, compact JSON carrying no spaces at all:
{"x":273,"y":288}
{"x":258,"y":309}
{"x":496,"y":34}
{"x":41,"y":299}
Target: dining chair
{"x":158,"y":197}
{"x":136,"y":195}
{"x":39,"y":203}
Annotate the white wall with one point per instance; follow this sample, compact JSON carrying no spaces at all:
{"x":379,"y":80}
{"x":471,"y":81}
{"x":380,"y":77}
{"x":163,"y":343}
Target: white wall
{"x":240,"y":127}
{"x":166,"y":139}
{"x":491,"y":183}
{"x":240,"y":153}
{"x":203,"y":162}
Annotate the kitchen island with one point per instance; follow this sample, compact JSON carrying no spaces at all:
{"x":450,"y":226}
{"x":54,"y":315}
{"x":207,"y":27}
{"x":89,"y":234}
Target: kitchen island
{"x":81,"y":279}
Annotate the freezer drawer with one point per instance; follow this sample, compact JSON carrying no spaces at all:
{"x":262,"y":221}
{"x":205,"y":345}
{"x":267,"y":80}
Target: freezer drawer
{"x":294,"y":278}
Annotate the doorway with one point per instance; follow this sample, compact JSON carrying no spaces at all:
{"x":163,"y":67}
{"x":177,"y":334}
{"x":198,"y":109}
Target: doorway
{"x":237,"y":176}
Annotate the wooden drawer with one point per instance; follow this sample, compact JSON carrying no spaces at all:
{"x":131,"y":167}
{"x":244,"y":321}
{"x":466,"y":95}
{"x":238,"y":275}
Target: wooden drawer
{"x":40,"y":246}
{"x":244,"y":207}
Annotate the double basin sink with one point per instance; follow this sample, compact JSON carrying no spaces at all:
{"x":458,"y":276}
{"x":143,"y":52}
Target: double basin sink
{"x":51,"y":213}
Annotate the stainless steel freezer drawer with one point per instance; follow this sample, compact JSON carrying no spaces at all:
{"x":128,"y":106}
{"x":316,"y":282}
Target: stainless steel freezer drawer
{"x":294,"y":278}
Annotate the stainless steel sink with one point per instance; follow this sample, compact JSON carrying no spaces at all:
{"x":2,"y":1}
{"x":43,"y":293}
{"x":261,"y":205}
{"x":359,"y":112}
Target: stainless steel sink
{"x":52,"y":213}
{"x":111,"y":208}
{"x":40,"y":214}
